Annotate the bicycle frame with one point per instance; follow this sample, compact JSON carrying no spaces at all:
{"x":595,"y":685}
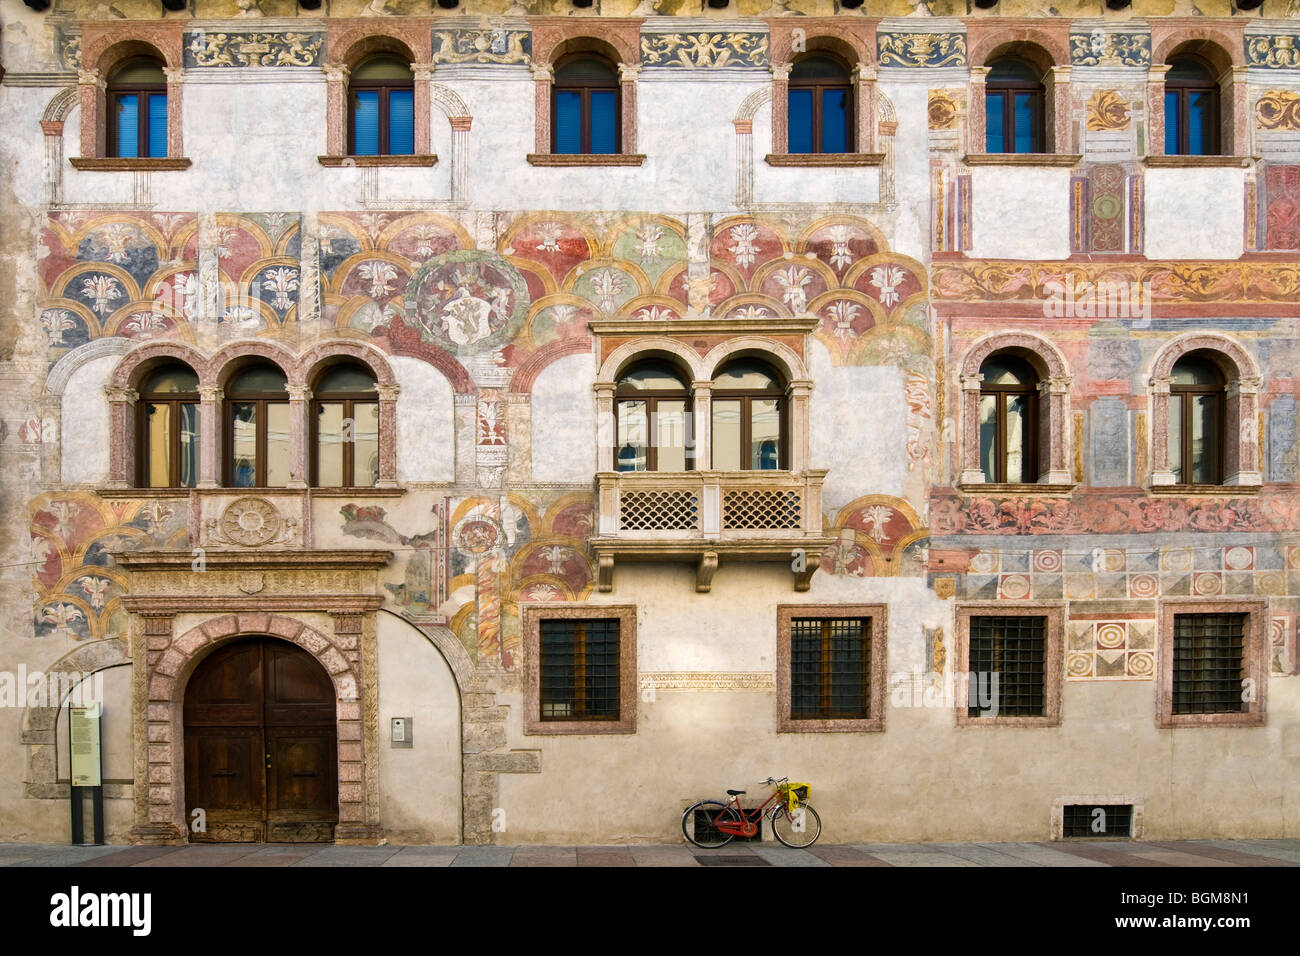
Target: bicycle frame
{"x":750,"y":820}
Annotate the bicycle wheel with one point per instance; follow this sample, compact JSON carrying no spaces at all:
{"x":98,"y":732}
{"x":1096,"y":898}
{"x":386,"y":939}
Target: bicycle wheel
{"x":698,"y":820}
{"x":799,"y":832}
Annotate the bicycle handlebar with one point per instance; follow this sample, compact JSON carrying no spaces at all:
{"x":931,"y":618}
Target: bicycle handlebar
{"x":772,"y":780}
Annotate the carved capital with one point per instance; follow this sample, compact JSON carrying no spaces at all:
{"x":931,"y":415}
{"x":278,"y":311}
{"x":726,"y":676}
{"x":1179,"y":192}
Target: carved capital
{"x":628,"y":73}
{"x":543,"y":72}
{"x":210,"y":393}
{"x":781,"y":71}
{"x":335,"y":72}
{"x":422,"y":71}
{"x":971,"y":383}
{"x":298,"y":393}
{"x":174,"y":74}
{"x":388,"y":393}
{"x":1156,"y":72}
{"x":118,"y":393}
{"x":91,"y":78}
{"x":1160,"y":386}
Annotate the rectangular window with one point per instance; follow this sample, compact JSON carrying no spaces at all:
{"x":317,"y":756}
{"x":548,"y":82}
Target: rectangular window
{"x":835,"y":121}
{"x":277,"y":444}
{"x":401,"y":122}
{"x":993,"y":117}
{"x":244,"y":441}
{"x":568,"y":121}
{"x":157,"y":124}
{"x":726,"y":435}
{"x":579,"y":668}
{"x":1208,"y":660}
{"x":365,"y":118}
{"x":1026,"y":122}
{"x":1008,"y":659}
{"x":189,"y":445}
{"x":1200,"y":123}
{"x":128,"y":125}
{"x":1080,"y":821}
{"x":604,"y":121}
{"x":831,"y":668}
{"x":1171,"y":123}
{"x":765,"y":434}
{"x":800,"y":120}
{"x":365,"y":444}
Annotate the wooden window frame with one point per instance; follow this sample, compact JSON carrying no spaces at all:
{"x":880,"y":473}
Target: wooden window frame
{"x":348,"y":400}
{"x":1009,"y":87}
{"x":818,"y":85}
{"x":1053,"y":653}
{"x":584,"y":109}
{"x":384,"y":87}
{"x":1000,"y":393}
{"x":261,"y":400}
{"x":142,"y":91}
{"x":747,"y":397}
{"x":174,"y":400}
{"x":652,"y":397}
{"x":531,"y":617}
{"x":878,"y":641}
{"x":1254,"y":663}
{"x":1183,"y":90}
{"x":1185,"y":392}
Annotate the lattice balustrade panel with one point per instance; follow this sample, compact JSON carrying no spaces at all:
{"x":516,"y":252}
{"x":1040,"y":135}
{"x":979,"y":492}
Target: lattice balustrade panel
{"x":659,"y":510}
{"x":761,"y":508}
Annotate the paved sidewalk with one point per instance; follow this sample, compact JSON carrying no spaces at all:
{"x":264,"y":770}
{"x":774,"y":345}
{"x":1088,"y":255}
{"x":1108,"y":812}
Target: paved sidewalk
{"x":1219,"y":853}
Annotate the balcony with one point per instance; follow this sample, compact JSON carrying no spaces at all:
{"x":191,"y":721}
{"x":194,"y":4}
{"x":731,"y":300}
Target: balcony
{"x":703,"y":516}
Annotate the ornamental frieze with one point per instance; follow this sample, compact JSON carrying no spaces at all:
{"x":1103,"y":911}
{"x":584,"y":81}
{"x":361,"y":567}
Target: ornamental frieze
{"x":1170,"y":283}
{"x":1110,"y":49}
{"x":1107,"y":110}
{"x":1278,"y":109}
{"x":921,"y":49}
{"x":704,"y":51}
{"x":1274,"y":51}
{"x":253,"y":48}
{"x":482,"y":46}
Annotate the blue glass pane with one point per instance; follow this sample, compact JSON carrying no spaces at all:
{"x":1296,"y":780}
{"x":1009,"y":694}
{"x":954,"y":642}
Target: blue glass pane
{"x":568,"y":121}
{"x":128,"y":129}
{"x":994,"y":136}
{"x":604,"y":121}
{"x":1024,"y":122}
{"x":365,"y":122}
{"x":835,"y":121}
{"x":1171,"y":124}
{"x":1200,"y":123}
{"x":157,"y":124}
{"x":401,"y":122}
{"x":801,"y":121}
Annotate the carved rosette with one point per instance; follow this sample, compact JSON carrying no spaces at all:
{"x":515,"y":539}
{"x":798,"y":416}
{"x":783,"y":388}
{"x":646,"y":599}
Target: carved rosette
{"x":250,"y":522}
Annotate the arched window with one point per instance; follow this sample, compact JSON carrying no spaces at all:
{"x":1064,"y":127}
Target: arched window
{"x":1196,"y":421}
{"x":749,"y":420}
{"x":257,"y":433}
{"x":1191,"y":108}
{"x":585,"y":107}
{"x":167,"y":429}
{"x":381,"y":108}
{"x":1008,"y":420}
{"x":137,"y":110}
{"x":820,"y":114}
{"x":652,"y":411}
{"x":1013,"y":108}
{"x":345,"y":428}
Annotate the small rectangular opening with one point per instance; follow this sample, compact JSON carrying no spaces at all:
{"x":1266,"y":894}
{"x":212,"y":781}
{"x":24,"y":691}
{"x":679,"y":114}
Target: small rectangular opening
{"x":1093,"y":822}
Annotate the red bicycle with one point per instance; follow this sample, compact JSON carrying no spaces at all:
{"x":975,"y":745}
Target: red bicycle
{"x":711,"y":823}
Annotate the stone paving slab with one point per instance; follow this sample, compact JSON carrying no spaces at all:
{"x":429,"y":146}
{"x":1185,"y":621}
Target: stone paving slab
{"x":1036,"y":854}
{"x":905,"y":854}
{"x":982,"y":855}
{"x":349,"y":856}
{"x":605,"y":856}
{"x":211,"y":855}
{"x":1237,"y":855}
{"x":424,"y":856}
{"x":484,"y":856}
{"x":786,"y":856}
{"x":545,"y":856}
{"x":845,"y":856}
{"x":134,"y":856}
{"x":277,"y":854}
{"x":1276,"y":850}
{"x":663,"y":856}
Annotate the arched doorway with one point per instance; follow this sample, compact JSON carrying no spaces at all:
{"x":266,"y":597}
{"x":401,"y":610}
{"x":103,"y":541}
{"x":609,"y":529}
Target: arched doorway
{"x":261,"y":748}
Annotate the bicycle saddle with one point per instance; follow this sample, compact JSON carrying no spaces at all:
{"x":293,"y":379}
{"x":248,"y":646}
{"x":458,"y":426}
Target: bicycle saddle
{"x":735,"y":793}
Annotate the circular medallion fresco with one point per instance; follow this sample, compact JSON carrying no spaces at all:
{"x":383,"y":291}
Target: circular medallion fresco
{"x":467,"y":301}
{"x":250,"y":521}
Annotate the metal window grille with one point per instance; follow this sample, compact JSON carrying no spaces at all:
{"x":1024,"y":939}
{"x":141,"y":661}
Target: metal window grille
{"x":1083,"y":821}
{"x":830,"y":668}
{"x":579,"y":670}
{"x":1208,"y":657}
{"x":1012,"y":649}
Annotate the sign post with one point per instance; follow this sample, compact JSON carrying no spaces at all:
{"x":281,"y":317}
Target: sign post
{"x":86,"y":763}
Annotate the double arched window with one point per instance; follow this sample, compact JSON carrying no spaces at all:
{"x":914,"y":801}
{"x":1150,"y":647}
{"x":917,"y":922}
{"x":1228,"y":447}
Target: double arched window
{"x":167,"y":423}
{"x":1014,"y":107}
{"x":1196,"y":421}
{"x":1008,"y":419}
{"x":585,"y":107}
{"x":137,"y":110}
{"x":381,"y":108}
{"x":820,"y":100}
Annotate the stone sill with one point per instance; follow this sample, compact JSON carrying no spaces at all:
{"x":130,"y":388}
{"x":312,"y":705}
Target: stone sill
{"x":1017,"y":488}
{"x":824,"y":159}
{"x":117,"y":164}
{"x":1205,"y":491}
{"x":586,"y":159}
{"x":359,"y":161}
{"x":1022,"y":159}
{"x":1197,"y":162}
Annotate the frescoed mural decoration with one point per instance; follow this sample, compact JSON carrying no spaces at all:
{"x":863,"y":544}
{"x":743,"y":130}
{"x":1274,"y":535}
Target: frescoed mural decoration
{"x":73,"y":537}
{"x":877,"y":536}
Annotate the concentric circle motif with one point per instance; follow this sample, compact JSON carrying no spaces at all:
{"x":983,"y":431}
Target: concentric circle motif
{"x":1079,"y":665}
{"x":1270,"y":582}
{"x":984,"y":563}
{"x":1176,"y":559}
{"x":1207,"y":583}
{"x":250,"y":521}
{"x":1141,"y":664}
{"x":1111,"y":635}
{"x":1112,"y":560}
{"x":1293,"y":558}
{"x":1049,"y":562}
{"x":1015,"y":586}
{"x":1238,"y":558}
{"x":1143,"y":586}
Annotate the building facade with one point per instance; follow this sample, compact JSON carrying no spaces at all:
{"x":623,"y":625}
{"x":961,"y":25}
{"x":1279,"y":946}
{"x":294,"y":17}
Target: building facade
{"x":513,"y":424}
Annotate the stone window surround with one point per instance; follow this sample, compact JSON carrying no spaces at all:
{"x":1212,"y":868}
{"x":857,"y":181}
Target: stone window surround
{"x":849,"y":41}
{"x":213,"y":373}
{"x":875,"y":723}
{"x":1255,"y":663}
{"x":1222,"y":45}
{"x":615,"y":39}
{"x":104,"y":47}
{"x":991,"y":39}
{"x":1054,"y":438}
{"x":1053,"y":676}
{"x":1243,"y":384}
{"x":700,"y":371}
{"x":531,"y":616}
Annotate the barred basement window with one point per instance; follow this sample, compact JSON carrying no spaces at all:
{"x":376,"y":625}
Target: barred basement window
{"x":1012,"y":651}
{"x":830,"y":668}
{"x":1080,"y":821}
{"x":579,"y":670}
{"x":1208,"y":663}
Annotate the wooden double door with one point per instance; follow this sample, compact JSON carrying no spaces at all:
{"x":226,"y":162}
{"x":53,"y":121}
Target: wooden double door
{"x":261,"y":747}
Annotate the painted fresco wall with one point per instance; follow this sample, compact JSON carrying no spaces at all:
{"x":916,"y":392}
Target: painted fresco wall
{"x":481,"y":297}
